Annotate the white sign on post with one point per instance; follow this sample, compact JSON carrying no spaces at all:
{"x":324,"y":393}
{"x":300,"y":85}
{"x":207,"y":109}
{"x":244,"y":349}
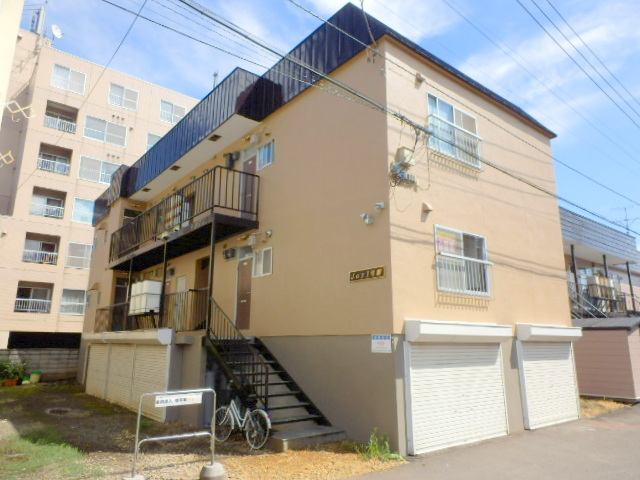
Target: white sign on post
{"x":179,"y":399}
{"x":381,"y":344}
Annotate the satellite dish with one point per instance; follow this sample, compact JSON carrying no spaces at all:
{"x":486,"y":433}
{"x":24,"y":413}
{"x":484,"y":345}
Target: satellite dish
{"x":55,"y":29}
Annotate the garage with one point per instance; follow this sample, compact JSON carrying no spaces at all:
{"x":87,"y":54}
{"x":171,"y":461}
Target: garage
{"x":455,"y":387}
{"x":547,"y":374}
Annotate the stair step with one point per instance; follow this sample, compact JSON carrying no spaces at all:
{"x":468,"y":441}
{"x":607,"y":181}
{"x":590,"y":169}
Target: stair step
{"x":287,"y":406}
{"x":300,"y":418}
{"x":293,"y":392}
{"x":279,"y":382}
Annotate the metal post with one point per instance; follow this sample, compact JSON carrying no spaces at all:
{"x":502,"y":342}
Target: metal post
{"x":575,"y":270}
{"x":606,"y":268}
{"x":211,"y":262}
{"x":164,"y":280}
{"x":126,"y":311}
{"x":633,"y":299}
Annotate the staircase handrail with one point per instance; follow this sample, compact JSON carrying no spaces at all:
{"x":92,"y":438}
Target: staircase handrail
{"x":253,"y":380}
{"x":579,"y":300}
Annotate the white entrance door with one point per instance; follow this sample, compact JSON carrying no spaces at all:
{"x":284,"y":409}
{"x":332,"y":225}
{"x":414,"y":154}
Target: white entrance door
{"x":456,"y":395}
{"x":547,"y":376}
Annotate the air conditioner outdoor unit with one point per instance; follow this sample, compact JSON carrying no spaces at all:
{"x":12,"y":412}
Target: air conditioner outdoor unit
{"x":404,"y":156}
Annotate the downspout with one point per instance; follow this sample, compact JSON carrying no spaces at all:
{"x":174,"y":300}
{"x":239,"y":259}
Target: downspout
{"x":164,"y":281}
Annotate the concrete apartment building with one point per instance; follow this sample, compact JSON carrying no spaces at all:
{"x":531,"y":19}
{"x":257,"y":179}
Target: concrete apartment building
{"x":318,"y":258}
{"x":67,"y":129}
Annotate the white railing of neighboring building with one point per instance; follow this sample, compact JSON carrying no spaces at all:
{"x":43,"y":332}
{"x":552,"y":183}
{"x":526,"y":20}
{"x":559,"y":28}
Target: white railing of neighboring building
{"x":59,"y":124}
{"x":70,"y":308}
{"x":43,"y":210}
{"x":457,"y":274}
{"x":453,"y":141}
{"x":32,"y":305}
{"x":53,"y":163}
{"x":39,"y":256}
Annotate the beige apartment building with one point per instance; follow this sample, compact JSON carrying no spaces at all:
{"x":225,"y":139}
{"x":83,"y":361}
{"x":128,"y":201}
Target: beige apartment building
{"x":71,"y":125}
{"x":341,"y":254}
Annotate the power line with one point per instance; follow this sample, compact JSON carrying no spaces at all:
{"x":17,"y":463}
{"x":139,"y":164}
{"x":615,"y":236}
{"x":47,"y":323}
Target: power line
{"x":578,"y":64}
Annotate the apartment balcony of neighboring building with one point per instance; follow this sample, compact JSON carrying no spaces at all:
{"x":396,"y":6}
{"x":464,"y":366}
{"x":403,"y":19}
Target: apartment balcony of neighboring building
{"x":40,"y":248}
{"x":54,"y":159}
{"x":33,"y":297}
{"x":48,"y":203}
{"x":61,"y":117}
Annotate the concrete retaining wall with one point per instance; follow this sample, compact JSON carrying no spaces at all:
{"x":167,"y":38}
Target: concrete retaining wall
{"x":54,"y":363}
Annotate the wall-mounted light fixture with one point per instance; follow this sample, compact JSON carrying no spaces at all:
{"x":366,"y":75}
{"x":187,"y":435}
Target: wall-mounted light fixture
{"x":380,"y":205}
{"x":368,"y":219}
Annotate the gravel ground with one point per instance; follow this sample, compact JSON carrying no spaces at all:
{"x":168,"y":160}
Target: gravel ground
{"x":105,"y":433}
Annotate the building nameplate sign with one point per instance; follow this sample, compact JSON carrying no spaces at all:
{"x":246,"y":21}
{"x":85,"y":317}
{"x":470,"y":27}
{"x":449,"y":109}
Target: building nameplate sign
{"x":367,"y":274}
{"x":381,"y":344}
{"x":178,"y":399}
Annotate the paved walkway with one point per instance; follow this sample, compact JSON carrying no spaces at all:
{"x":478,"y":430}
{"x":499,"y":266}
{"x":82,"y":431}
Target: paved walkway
{"x":603,"y":448}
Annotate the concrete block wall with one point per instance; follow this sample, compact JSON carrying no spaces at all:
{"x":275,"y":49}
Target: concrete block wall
{"x":54,"y":363}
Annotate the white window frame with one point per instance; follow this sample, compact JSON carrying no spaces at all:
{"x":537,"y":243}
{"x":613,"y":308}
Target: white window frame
{"x":149,"y":144}
{"x":85,"y":261}
{"x":105,"y":134}
{"x":96,"y":176}
{"x":174,"y":117}
{"x":455,"y":149}
{"x":266,"y":159}
{"x":78,"y":306}
{"x":121,"y":101}
{"x":59,"y":82}
{"x":75,"y":205}
{"x":259,"y":269}
{"x":471,"y":272}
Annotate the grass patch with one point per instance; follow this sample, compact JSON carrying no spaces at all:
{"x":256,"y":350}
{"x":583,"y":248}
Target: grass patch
{"x":594,"y":407}
{"x":377,"y":448}
{"x":22,"y":458}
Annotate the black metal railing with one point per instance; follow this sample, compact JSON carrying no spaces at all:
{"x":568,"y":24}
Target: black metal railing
{"x":230,"y":192}
{"x":245,"y":368}
{"x":182,"y":311}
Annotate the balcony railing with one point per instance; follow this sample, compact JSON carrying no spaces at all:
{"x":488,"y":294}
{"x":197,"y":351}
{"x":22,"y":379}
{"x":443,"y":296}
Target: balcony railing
{"x":75,"y":308}
{"x":32,"y":305}
{"x":229,"y":191}
{"x":454,"y":142}
{"x":182,"y":311}
{"x":599,"y":300}
{"x":39,"y":256}
{"x":43,"y":210}
{"x":463,"y":275}
{"x":54,"y":163}
{"x":59,"y":124}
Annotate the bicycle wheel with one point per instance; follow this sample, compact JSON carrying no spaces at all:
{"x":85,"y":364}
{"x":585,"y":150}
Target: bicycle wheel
{"x":257,"y":429}
{"x":224,"y":423}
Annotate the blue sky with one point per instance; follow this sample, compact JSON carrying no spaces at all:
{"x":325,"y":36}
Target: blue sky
{"x":594,"y":136}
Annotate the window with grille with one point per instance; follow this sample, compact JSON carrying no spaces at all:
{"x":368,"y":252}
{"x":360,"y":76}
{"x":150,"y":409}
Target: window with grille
{"x":170,"y":112}
{"x":94,"y":170}
{"x":79,"y":255}
{"x":67,"y":79}
{"x":104,"y":131}
{"x":123,"y":97}
{"x":461,"y":262}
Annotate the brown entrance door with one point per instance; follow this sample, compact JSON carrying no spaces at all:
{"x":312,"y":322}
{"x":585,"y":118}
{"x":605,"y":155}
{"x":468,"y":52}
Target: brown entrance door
{"x":243,"y":305}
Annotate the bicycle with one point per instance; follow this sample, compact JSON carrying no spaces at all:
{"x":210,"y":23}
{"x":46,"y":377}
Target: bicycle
{"x":255,"y":423}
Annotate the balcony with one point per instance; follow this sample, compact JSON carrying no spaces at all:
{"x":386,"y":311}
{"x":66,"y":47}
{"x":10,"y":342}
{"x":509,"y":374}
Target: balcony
{"x":39,"y":256}
{"x":59,"y":123}
{"x":44,"y":210}
{"x":183,"y":311}
{"x":463,"y":275}
{"x":32,"y":305}
{"x":229,"y":194}
{"x":601,"y":297}
{"x":54,"y":164}
{"x":452,"y":141}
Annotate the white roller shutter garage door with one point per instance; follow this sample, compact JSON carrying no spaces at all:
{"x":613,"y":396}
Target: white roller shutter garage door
{"x":456,"y":394}
{"x":549,"y":383}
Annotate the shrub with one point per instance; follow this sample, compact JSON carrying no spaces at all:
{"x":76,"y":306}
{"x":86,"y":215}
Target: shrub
{"x":12,"y":369}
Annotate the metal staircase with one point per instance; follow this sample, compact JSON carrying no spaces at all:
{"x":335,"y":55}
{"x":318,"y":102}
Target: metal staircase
{"x":255,"y":376}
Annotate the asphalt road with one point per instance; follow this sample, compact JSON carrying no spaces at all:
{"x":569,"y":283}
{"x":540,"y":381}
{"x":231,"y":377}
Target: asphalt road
{"x":603,"y":448}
